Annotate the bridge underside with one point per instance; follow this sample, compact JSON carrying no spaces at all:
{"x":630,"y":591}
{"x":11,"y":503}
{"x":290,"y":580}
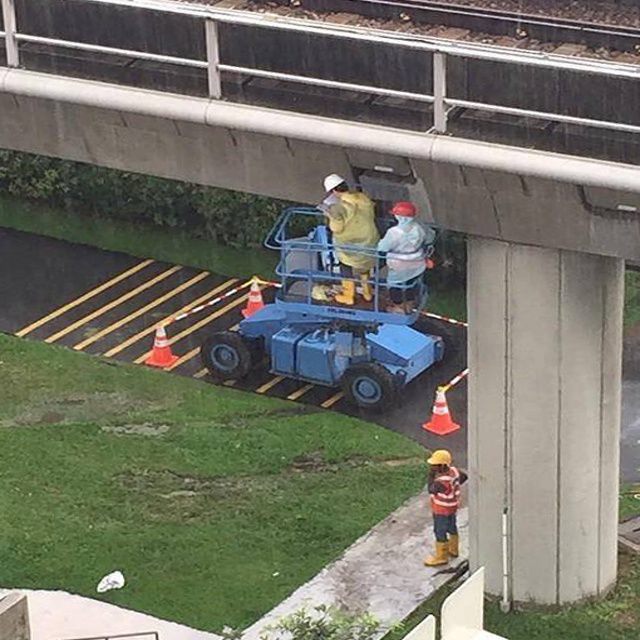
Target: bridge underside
{"x":487,"y":190}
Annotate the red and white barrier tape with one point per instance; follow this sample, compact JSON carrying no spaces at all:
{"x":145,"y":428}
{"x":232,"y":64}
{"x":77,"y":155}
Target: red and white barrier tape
{"x":266,"y":283}
{"x":461,"y":376}
{"x":459,"y":323}
{"x":219,"y":299}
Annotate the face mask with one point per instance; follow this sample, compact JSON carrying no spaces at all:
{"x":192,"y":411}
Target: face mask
{"x":402,"y":220}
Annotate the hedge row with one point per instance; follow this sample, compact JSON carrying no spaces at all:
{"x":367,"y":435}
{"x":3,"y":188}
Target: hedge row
{"x":226,"y":217}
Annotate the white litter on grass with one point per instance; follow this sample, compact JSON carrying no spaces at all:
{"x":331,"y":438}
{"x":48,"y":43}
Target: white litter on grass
{"x":114,"y":580}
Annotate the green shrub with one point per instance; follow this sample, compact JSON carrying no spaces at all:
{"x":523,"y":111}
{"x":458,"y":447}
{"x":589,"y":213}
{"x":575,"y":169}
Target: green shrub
{"x":226,"y":217}
{"x":324,"y":623}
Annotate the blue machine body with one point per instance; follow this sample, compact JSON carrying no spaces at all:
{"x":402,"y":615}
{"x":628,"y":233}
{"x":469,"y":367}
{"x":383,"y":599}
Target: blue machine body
{"x":319,"y":342}
{"x":313,"y":350}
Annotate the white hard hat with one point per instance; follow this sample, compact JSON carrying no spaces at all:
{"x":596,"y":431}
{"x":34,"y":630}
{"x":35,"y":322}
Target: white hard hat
{"x":332,"y":181}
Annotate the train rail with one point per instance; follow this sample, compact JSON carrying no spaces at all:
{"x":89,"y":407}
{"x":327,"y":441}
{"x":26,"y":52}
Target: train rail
{"x":480,"y":19}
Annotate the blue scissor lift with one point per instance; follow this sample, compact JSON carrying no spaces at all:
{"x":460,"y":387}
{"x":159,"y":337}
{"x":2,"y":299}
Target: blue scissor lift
{"x":368,"y":351}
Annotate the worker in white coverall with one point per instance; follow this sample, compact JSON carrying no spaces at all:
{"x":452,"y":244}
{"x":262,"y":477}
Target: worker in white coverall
{"x":351,"y":216}
{"x":404,"y":245}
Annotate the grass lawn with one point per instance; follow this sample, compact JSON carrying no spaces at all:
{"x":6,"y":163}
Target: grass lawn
{"x":214,"y":503}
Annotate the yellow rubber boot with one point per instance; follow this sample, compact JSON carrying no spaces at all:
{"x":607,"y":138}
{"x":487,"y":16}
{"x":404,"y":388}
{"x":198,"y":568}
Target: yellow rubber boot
{"x":348,"y":294}
{"x":367,"y":293}
{"x":453,"y":545}
{"x":441,"y":556}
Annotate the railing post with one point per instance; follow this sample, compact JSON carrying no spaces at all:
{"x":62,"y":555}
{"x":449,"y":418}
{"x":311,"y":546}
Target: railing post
{"x":11,"y":44}
{"x":439,"y":92}
{"x":213,"y":58}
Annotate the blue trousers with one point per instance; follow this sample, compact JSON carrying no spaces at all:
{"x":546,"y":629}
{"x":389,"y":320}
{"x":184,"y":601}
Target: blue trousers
{"x":444,"y":526}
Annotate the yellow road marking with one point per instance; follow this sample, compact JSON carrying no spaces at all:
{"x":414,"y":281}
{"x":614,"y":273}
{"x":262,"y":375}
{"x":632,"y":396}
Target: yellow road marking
{"x":195,"y":327}
{"x":183,"y":359}
{"x":83,"y":298}
{"x":300,"y":392}
{"x":269,"y":385}
{"x":113,"y":304}
{"x":145,"y":332}
{"x":332,"y":400}
{"x":139,"y":312}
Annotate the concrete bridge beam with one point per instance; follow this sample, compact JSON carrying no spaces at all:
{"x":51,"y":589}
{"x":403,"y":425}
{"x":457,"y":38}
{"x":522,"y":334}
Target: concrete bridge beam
{"x":545,"y":346}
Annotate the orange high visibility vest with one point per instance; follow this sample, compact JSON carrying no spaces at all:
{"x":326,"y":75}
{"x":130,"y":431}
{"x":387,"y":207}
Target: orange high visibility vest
{"x":446,"y":502}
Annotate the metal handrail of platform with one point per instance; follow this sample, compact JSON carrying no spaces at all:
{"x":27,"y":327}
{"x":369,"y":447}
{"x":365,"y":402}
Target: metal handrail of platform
{"x":440,"y":49}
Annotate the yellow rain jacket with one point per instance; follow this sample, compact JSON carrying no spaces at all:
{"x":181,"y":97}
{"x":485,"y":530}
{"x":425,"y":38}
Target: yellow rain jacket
{"x":352,"y":221}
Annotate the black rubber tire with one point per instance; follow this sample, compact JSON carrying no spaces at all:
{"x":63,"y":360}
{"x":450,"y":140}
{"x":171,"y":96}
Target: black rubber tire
{"x":226,"y":355}
{"x":256,"y":349}
{"x":369,"y":386}
{"x":450,"y":334}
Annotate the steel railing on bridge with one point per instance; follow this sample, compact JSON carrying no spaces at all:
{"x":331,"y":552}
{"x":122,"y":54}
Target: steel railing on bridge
{"x":211,"y":17}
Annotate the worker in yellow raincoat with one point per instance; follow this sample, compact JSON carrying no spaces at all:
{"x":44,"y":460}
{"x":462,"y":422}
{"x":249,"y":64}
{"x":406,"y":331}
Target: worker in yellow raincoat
{"x":351,"y":217}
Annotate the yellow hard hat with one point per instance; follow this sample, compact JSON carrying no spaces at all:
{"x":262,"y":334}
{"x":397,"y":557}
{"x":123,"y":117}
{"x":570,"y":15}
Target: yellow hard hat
{"x":441,"y":456}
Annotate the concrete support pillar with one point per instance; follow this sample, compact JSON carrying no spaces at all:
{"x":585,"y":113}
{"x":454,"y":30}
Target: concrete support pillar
{"x":545,"y":347}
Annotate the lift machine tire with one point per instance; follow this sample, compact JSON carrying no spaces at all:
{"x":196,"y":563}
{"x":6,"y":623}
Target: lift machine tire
{"x":227,"y":355}
{"x":370,"y":386}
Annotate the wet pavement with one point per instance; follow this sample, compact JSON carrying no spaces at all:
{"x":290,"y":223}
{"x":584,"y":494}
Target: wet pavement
{"x":630,"y":441}
{"x":105,"y":303}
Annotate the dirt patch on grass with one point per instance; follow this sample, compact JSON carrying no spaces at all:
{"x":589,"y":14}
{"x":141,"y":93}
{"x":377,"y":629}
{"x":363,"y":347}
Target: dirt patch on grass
{"x":144,"y":429}
{"x":247,"y":420}
{"x":167,"y":496}
{"x":76,"y":408}
{"x":197,"y":495}
{"x":315,"y":462}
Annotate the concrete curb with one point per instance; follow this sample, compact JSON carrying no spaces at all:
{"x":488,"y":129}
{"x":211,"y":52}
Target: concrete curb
{"x":381,"y":573}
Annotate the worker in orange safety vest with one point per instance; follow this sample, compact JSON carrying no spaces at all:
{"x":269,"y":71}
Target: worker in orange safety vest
{"x":444,"y":490}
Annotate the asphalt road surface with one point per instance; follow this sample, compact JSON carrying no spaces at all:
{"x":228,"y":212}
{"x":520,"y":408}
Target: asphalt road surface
{"x":108,"y":304}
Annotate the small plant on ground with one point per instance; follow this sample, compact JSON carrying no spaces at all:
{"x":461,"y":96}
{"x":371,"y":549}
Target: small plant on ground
{"x":323,"y":623}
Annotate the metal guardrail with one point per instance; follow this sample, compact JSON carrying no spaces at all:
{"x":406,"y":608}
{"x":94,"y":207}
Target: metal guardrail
{"x":143,"y":635}
{"x":440,"y":49}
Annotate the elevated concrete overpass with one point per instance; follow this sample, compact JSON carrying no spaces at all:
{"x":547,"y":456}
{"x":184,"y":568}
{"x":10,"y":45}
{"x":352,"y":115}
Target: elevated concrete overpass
{"x":549,"y":232}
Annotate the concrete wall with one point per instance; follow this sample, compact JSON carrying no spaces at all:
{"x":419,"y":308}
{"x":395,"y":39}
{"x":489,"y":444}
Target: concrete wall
{"x":492,"y":204}
{"x":14,"y":618}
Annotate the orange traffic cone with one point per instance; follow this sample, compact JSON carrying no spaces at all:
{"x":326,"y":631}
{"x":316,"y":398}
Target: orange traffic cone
{"x":255,"y":302}
{"x":161,"y":355}
{"x":441,"y":423}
